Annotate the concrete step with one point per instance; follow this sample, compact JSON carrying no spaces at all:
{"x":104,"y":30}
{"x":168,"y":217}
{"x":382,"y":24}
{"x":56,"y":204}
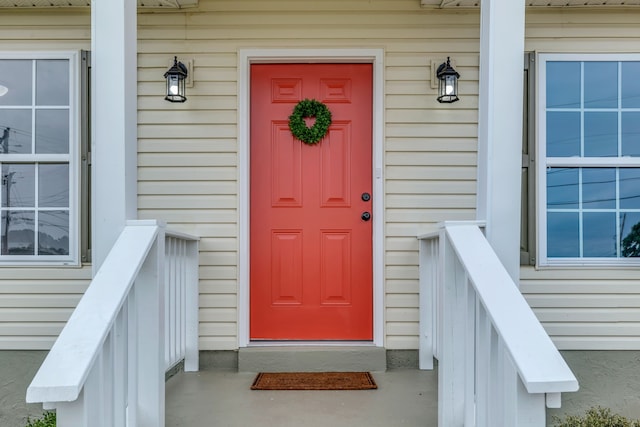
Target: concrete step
{"x":312,"y":359}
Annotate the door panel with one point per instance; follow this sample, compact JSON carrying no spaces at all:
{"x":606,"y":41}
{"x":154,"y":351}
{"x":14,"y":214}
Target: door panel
{"x":311,"y":253}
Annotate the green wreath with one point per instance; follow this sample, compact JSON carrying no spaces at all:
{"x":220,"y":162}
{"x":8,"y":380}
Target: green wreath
{"x":310,"y":108}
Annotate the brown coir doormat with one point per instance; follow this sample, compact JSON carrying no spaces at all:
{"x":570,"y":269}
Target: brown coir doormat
{"x":314,"y":381}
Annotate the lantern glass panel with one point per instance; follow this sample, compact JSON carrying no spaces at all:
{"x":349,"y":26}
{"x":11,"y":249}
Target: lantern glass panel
{"x":173,"y":85}
{"x":450,"y":85}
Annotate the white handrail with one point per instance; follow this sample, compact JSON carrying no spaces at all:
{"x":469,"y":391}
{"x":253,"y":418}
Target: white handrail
{"x":107,"y":366}
{"x":497,"y":365}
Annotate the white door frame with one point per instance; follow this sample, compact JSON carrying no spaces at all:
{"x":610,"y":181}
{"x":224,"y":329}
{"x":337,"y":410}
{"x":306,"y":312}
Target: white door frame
{"x":247,"y":57}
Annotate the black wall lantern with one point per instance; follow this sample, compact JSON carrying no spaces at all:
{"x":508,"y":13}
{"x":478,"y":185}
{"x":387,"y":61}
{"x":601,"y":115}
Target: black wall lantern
{"x":447,"y":83}
{"x":176,"y":77}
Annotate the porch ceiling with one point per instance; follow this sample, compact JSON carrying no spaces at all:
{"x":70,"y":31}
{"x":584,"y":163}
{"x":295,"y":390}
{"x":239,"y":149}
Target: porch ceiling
{"x":175,"y":4}
{"x":536,"y":3}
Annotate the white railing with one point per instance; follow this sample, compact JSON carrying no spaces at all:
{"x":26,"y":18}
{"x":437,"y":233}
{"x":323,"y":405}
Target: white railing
{"x":496,"y":364}
{"x":181,"y":300}
{"x":107,"y":367}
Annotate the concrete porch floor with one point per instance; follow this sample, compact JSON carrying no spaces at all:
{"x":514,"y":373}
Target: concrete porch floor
{"x":405,"y":397}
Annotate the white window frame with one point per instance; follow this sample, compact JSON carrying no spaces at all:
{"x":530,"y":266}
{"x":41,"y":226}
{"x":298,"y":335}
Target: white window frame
{"x":72,"y":158}
{"x":543,"y":162}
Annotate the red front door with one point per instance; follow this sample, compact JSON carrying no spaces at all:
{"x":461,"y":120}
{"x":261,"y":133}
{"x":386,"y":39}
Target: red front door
{"x":311,"y":251}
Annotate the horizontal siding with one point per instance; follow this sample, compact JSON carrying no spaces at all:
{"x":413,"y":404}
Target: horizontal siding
{"x":187,"y":152}
{"x":188,"y":162}
{"x":36,"y":302}
{"x":34,"y":314}
{"x":593,"y":309}
{"x":585,"y":309}
{"x":430,"y":149}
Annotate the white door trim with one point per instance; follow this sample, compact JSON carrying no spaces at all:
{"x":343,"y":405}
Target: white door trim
{"x":247,"y":57}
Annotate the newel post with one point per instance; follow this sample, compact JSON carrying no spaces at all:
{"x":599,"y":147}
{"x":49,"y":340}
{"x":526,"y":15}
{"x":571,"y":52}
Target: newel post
{"x":149,"y":365}
{"x":428,"y":270}
{"x":451,"y":361}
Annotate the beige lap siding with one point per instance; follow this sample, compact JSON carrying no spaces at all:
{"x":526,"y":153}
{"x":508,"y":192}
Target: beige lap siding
{"x":189,"y":165}
{"x":429,"y":148}
{"x":585,"y":308}
{"x":35,"y":302}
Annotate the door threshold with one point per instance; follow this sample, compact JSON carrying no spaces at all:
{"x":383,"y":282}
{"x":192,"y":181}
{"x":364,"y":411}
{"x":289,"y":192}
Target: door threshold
{"x":288,"y":343}
{"x":312,"y":356}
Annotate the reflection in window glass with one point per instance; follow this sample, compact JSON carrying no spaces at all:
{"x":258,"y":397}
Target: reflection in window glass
{"x":15,"y":76}
{"x":631,"y":133}
{"x":52,"y":131}
{"x":53,"y":233}
{"x":563,"y":234}
{"x":53,"y":188}
{"x":563,"y":134}
{"x":630,"y":234}
{"x":18,"y":185}
{"x":588,"y":161}
{"x":601,"y":134}
{"x":629,"y":188}
{"x":562,"y":188}
{"x":630,"y":84}
{"x":52,"y":82}
{"x":563,"y":90}
{"x":15,"y":131}
{"x":18,"y":237}
{"x":599,"y":188}
{"x":599,"y":234}
{"x":601,"y":84}
{"x":37,"y":196}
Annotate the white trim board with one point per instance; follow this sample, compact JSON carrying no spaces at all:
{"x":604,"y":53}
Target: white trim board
{"x":247,"y":57}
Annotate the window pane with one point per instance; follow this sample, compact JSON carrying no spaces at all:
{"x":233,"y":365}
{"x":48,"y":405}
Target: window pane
{"x":563,"y":238}
{"x":600,"y":84}
{"x":630,"y":85}
{"x":563,"y":134}
{"x":630,"y":234}
{"x":600,"y":134}
{"x":15,"y":131}
{"x":563,"y":84}
{"x":629,"y":188}
{"x":53,"y":185}
{"x":562,"y":188}
{"x":52,"y":82}
{"x":53,"y":233}
{"x":52,"y":131}
{"x":15,"y":75}
{"x":592,"y":111}
{"x":18,"y":185}
{"x":18,"y":237}
{"x":599,"y":188}
{"x":631,"y":134}
{"x":599,"y":234}
{"x":36,"y":113}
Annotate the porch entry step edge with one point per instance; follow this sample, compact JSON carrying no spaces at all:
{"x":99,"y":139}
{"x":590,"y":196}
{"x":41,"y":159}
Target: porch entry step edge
{"x":312,"y":359}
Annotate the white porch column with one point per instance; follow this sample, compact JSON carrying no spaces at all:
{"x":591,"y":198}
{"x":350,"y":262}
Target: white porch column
{"x":114,"y":121}
{"x":500,"y":127}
